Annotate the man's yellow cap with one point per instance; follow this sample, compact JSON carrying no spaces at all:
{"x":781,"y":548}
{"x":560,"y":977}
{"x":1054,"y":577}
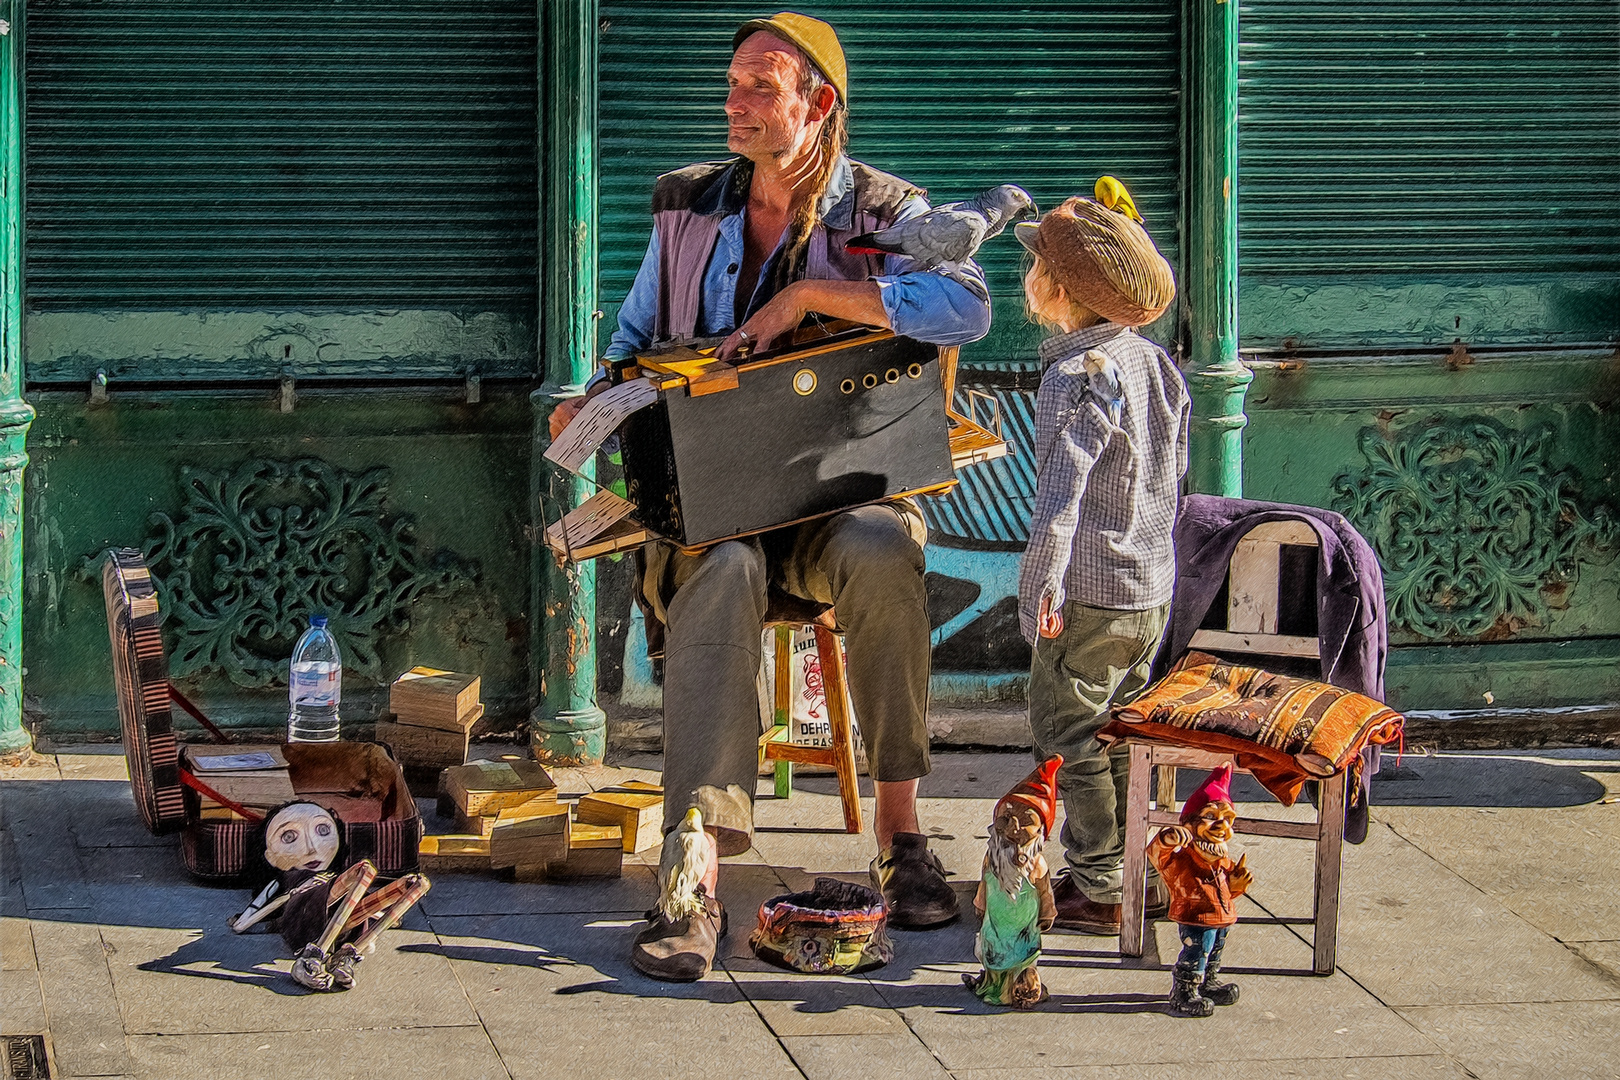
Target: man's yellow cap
{"x":817,"y":40}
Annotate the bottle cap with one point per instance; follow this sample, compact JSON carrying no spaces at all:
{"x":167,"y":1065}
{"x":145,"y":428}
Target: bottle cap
{"x":318,"y":621}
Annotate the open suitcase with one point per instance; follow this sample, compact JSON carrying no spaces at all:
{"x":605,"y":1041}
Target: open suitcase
{"x":360,"y":781}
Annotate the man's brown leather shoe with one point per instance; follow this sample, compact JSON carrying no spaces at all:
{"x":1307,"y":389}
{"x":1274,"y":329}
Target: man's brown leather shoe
{"x":679,"y":950}
{"x":1075,"y":911}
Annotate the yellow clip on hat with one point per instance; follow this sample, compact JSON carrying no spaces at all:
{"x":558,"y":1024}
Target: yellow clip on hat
{"x":1104,"y":260}
{"x":817,"y":40}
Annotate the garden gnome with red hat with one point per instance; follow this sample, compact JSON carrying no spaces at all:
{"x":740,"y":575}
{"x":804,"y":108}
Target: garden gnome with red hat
{"x":1014,"y":901}
{"x":1204,"y":884}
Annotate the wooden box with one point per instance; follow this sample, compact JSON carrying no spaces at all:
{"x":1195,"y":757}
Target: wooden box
{"x":431,"y":698}
{"x":594,"y":851}
{"x":637,"y":809}
{"x":484,"y":788}
{"x":483,"y":825}
{"x":427,"y":747}
{"x":538,"y":839}
{"x":453,"y":854}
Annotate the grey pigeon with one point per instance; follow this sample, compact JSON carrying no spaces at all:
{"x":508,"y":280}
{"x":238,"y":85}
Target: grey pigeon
{"x":947,"y":236}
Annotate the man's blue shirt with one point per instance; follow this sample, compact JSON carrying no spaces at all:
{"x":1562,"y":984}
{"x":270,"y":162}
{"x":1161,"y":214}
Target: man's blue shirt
{"x":926,"y":305}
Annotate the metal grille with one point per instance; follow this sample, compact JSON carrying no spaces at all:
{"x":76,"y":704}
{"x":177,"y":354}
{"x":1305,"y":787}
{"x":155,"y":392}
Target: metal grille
{"x":25,"y":1057}
{"x":1437,"y":137}
{"x":299,"y":154}
{"x":952,"y":96}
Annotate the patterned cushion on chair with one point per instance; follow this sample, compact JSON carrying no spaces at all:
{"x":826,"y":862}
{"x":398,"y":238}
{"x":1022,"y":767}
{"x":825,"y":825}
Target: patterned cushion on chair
{"x":1292,"y":729}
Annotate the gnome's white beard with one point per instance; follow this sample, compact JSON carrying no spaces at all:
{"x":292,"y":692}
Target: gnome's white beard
{"x":1010,"y":862}
{"x":1214,"y":851}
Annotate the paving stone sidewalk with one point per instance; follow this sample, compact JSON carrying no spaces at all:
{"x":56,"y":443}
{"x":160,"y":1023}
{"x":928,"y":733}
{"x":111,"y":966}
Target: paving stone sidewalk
{"x":1480,"y":937}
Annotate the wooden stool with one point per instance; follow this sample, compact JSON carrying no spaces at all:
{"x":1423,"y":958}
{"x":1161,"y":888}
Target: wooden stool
{"x":1327,"y":832}
{"x":773,"y":745}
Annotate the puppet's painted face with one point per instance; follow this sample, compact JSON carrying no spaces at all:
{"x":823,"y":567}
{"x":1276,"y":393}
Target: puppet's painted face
{"x":302,"y":836}
{"x":1212,"y":828}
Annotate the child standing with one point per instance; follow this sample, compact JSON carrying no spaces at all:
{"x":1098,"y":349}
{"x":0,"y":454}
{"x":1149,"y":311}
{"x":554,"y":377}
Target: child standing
{"x":1094,"y":588}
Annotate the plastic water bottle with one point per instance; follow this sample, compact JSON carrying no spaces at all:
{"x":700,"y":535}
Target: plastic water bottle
{"x":315,"y":686}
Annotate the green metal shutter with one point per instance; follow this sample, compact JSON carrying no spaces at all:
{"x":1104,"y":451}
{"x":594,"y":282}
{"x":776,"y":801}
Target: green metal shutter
{"x":955,"y":97}
{"x":1421,"y":171}
{"x":369,"y":157}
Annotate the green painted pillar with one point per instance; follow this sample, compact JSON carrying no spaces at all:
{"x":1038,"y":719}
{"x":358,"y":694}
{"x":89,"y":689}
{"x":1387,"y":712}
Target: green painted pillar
{"x":1216,"y":377}
{"x":15,"y":413}
{"x":566,"y":726}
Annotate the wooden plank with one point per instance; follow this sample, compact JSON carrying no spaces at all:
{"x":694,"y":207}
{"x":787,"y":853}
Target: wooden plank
{"x":1288,"y":830}
{"x":1264,"y":644}
{"x":1132,"y":902}
{"x":1296,"y":533}
{"x":843,"y":748}
{"x":1165,"y":794}
{"x":1187,"y":757}
{"x":1329,"y":850}
{"x":1252,"y":594}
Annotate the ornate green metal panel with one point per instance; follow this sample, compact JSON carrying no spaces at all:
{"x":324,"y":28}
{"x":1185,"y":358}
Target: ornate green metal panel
{"x":1489,"y":489}
{"x":401,"y":514}
{"x":223,"y":188}
{"x":1421,"y":171}
{"x":953,"y":96}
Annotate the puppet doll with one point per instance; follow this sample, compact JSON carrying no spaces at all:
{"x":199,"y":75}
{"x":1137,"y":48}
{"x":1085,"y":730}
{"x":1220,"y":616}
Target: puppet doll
{"x":1014,"y":900}
{"x":1204,"y":885}
{"x":321,"y":907}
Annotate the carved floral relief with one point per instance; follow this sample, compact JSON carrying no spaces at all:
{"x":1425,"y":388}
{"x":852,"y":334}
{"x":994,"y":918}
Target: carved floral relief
{"x":1474,"y":524}
{"x":254,"y":551}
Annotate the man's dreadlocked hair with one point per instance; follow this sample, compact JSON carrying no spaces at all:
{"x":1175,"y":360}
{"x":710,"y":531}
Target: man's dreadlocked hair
{"x":834,"y":138}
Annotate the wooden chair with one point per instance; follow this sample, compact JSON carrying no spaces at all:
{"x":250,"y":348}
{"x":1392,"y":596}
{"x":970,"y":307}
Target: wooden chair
{"x":1253,"y":619}
{"x":774,"y":745}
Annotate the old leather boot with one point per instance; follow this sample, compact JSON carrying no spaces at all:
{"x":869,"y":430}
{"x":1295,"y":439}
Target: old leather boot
{"x":1221,"y":993}
{"x":344,"y":961}
{"x":1185,"y":1000}
{"x":680,"y":950}
{"x":913,"y":884}
{"x":1076,"y":911}
{"x":310,"y":969}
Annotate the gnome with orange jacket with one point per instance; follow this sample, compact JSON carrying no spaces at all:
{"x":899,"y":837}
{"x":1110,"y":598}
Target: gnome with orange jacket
{"x":1014,"y":900}
{"x":1204,"y":885}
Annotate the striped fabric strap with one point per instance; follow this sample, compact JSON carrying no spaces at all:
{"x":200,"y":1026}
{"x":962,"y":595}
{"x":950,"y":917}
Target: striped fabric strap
{"x":197,"y":785}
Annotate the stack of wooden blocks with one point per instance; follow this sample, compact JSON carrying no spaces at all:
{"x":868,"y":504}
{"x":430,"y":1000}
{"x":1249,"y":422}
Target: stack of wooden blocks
{"x":508,"y":817}
{"x":433,"y":715}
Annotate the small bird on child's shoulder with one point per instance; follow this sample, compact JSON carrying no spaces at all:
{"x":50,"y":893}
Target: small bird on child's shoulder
{"x":1107,"y":383}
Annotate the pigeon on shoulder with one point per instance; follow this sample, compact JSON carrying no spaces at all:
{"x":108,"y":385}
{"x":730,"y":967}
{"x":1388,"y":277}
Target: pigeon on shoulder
{"x":947,"y":236}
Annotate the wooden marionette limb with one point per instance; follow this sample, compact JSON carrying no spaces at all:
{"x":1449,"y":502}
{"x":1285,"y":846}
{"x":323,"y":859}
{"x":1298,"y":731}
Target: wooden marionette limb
{"x":358,"y":879}
{"x":378,"y":901}
{"x":269,"y":901}
{"x":417,"y":886}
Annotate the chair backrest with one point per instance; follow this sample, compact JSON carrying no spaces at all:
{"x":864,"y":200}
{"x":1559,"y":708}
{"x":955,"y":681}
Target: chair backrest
{"x":141,"y":676}
{"x":1260,"y":597}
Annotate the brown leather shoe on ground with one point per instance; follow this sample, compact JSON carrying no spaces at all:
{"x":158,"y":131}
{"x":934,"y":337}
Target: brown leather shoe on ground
{"x":913,"y":884}
{"x":679,"y":950}
{"x":1075,"y":911}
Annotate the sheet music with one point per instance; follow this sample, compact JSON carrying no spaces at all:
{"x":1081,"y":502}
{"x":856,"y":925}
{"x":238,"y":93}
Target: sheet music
{"x":588,"y":520}
{"x":600,"y":418}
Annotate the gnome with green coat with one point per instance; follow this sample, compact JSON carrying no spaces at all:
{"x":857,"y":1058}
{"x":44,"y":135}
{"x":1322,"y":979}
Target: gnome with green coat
{"x":1014,"y":900}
